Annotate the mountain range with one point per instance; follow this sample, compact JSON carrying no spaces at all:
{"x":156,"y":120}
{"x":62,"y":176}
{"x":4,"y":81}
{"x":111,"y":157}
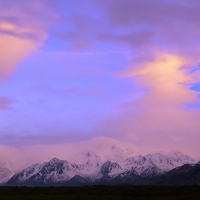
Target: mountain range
{"x":152,"y":169}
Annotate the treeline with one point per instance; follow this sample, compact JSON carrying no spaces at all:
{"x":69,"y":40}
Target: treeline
{"x":101,"y":192}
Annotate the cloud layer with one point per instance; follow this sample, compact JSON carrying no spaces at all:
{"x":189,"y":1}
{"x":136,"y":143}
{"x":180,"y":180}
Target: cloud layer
{"x":116,"y":68}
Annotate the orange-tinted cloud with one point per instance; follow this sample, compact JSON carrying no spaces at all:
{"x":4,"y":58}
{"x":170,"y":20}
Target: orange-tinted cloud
{"x":166,"y":78}
{"x":12,"y":51}
{"x":21,"y":31}
{"x":159,"y":120}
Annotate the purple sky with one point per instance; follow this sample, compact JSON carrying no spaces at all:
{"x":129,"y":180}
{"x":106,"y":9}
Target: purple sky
{"x":71,"y":70}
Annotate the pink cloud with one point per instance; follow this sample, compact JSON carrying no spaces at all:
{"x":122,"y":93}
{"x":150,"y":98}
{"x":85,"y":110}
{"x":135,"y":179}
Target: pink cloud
{"x":159,"y":121}
{"x":21,"y":31}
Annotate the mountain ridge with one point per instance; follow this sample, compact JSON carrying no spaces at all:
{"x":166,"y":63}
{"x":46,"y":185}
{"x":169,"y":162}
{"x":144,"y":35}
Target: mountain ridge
{"x":132,"y":170}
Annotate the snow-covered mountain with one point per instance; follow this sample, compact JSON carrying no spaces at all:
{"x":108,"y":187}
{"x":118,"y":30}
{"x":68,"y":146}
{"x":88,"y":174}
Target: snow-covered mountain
{"x":93,"y":170}
{"x":154,"y":164}
{"x":54,"y":171}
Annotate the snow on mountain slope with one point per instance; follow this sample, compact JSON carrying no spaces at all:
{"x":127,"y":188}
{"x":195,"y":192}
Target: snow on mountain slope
{"x":111,"y":169}
{"x":50,"y":172}
{"x":178,"y":157}
{"x":153,"y":164}
{"x":88,"y":163}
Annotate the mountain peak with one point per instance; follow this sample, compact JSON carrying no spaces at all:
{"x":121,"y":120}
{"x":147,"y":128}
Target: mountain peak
{"x":55,"y":160}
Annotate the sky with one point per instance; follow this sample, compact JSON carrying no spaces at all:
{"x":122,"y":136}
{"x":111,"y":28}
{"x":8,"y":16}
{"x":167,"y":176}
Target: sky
{"x":73,"y":70}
